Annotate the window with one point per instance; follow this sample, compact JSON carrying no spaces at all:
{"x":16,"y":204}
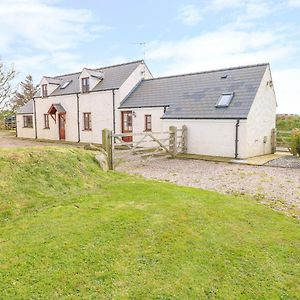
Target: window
{"x":224,"y":100}
{"x":65,"y":84}
{"x":46,"y":121}
{"x":85,"y":83}
{"x":44,"y":90}
{"x":148,"y":124}
{"x":87,"y":121}
{"x":27,"y":122}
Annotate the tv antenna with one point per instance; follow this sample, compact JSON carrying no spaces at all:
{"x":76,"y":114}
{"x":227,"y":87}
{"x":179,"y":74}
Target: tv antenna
{"x":143,"y":46}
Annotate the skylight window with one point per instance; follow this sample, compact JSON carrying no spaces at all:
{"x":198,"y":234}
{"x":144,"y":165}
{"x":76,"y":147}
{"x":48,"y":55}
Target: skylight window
{"x":65,"y":84}
{"x":224,"y":100}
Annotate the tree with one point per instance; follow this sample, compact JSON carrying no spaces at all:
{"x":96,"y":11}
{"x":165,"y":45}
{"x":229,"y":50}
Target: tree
{"x":6,"y":90}
{"x":27,"y":89}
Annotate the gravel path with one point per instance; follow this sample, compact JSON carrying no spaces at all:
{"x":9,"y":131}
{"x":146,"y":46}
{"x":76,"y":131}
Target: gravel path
{"x":277,"y":187}
{"x":8,"y":140}
{"x":286,"y":162}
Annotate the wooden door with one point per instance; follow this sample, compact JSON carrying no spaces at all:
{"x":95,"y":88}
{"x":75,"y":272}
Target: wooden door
{"x":61,"y":126}
{"x":127,"y":125}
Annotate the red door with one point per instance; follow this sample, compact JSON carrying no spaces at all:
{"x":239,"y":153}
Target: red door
{"x":61,"y":126}
{"x":127,"y":125}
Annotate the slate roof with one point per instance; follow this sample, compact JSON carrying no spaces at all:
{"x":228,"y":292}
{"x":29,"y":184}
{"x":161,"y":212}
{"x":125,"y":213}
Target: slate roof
{"x":26,"y":109}
{"x":194,"y":96}
{"x":114,"y":76}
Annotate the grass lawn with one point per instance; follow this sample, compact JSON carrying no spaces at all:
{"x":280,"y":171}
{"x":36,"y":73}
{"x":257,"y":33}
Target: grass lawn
{"x":70,"y":231}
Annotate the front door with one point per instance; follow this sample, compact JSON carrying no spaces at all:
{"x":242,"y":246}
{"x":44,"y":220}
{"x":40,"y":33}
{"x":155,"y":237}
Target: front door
{"x":61,"y":126}
{"x":127,"y":125}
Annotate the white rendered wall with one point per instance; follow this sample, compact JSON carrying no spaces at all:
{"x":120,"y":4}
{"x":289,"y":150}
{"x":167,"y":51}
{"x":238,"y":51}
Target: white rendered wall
{"x":100,"y":105}
{"x":261,"y":119}
{"x":141,"y":72}
{"x":212,"y":137}
{"x":138,"y":123}
{"x":69,"y":103}
{"x":24,"y":132}
{"x":206,"y":137}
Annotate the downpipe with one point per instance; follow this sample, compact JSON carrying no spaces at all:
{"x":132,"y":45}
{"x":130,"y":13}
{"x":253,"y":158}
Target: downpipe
{"x":237,"y":138}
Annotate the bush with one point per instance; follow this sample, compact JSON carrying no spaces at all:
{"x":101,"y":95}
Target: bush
{"x":295,"y":142}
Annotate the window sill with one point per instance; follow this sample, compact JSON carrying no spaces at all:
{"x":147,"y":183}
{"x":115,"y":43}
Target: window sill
{"x":46,"y":127}
{"x":86,"y":129}
{"x":27,"y":127}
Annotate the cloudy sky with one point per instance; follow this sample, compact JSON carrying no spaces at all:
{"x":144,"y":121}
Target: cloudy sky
{"x":52,"y":37}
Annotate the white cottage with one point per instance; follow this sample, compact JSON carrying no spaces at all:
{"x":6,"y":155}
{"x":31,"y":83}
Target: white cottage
{"x":228,"y":112}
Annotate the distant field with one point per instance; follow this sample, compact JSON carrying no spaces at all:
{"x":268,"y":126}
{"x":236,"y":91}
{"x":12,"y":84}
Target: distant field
{"x":70,"y":231}
{"x":287,"y":122}
{"x":284,"y":125}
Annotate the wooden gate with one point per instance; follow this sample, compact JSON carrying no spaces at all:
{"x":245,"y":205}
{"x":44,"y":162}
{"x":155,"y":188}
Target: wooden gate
{"x":145,"y":143}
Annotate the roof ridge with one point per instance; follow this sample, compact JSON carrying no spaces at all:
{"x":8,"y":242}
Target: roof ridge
{"x":96,"y":69}
{"x":208,"y":71}
{"x":118,"y":65}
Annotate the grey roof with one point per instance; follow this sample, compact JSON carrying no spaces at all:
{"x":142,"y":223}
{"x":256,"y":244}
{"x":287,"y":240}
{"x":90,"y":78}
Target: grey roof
{"x":114,"y":77}
{"x":26,"y":109}
{"x":195,"y":95}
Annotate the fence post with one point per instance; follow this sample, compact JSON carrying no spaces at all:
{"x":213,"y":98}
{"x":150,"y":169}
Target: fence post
{"x":173,"y":140}
{"x":108,"y":147}
{"x":273,"y":140}
{"x":184,"y":139}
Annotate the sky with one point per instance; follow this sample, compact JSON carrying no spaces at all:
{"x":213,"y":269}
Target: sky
{"x":53,"y":37}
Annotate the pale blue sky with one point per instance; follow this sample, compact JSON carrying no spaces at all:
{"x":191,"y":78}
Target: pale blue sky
{"x":51,"y":37}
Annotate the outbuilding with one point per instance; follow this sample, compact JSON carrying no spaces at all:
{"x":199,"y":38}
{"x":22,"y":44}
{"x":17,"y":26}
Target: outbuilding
{"x":228,"y":112}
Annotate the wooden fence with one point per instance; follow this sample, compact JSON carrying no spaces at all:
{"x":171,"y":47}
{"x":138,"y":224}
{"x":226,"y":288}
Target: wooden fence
{"x":168,"y":143}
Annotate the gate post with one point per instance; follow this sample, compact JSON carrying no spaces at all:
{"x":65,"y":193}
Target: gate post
{"x":173,"y":140}
{"x":108,"y":147}
{"x":273,"y":140}
{"x":184,"y":139}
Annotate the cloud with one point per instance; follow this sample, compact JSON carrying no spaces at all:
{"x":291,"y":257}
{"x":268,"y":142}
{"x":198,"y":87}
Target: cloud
{"x":229,"y":48}
{"x":223,"y":4}
{"x":294,"y":3}
{"x":189,"y":15}
{"x":44,"y":26}
{"x":40,"y":36}
{"x":220,"y":48}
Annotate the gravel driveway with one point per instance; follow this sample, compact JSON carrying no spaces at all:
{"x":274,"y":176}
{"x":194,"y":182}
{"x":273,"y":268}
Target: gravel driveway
{"x":9,"y":140}
{"x":276,"y":187}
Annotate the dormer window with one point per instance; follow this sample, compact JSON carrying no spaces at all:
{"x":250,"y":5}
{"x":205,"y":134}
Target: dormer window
{"x":44,"y":90}
{"x":85,"y":84}
{"x":225,"y":100}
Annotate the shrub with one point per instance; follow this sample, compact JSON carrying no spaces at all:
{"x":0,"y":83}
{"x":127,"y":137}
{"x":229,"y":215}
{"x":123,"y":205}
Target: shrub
{"x":295,"y":142}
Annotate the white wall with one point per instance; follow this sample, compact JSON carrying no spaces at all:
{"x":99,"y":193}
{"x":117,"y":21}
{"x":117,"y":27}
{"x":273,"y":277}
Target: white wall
{"x":261,"y":119}
{"x":24,"y":132}
{"x":138,"y":123}
{"x":206,"y":137}
{"x":212,"y":137}
{"x":69,"y":103}
{"x":100,"y":105}
{"x":141,"y":72}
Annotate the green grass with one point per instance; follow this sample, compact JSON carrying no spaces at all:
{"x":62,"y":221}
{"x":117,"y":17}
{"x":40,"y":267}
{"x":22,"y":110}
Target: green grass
{"x":287,"y":122}
{"x":70,"y":231}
